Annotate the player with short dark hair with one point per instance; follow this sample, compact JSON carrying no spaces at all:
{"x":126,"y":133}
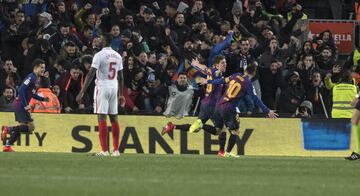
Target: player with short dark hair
{"x":108,"y":67}
{"x":21,"y":106}
{"x":212,"y":94}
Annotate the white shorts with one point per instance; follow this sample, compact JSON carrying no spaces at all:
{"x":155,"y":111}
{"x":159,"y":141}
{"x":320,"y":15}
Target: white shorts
{"x":105,"y":100}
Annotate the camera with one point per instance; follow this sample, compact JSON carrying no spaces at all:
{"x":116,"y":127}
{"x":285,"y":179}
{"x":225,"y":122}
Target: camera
{"x":302,"y":109}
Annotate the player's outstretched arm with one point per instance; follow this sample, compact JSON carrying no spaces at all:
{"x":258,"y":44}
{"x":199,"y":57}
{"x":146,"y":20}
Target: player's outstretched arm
{"x":88,"y":79}
{"x":221,"y":80}
{"x":272,"y":114}
{"x":258,"y":102}
{"x":198,"y":66}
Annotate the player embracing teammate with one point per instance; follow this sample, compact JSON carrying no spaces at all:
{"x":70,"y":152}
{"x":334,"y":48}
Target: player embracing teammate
{"x":222,"y":110}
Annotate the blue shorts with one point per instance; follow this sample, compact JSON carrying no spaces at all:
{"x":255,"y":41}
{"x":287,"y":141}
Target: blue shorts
{"x":226,"y":117}
{"x":21,"y":115}
{"x":206,"y":112}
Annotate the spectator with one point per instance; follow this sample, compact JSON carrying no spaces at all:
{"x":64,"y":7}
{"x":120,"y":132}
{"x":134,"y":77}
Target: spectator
{"x":85,"y":17}
{"x":42,"y":50}
{"x":149,"y":30}
{"x":116,"y":43}
{"x":118,"y":12}
{"x":153,"y":64}
{"x":325,"y":60}
{"x":46,"y":28}
{"x":56,"y":90}
{"x":180,"y":98}
{"x":86,"y":37}
{"x":306,"y":69}
{"x":195,"y":14}
{"x":304,"y":110}
{"x":155,"y":95}
{"x":6,"y":100}
{"x":52,"y":106}
{"x":57,"y":71}
{"x":305,"y":50}
{"x":318,"y":95}
{"x":61,"y":14}
{"x":325,"y":40}
{"x":128,"y":23}
{"x":343,"y":94}
{"x":292,"y":95}
{"x":68,"y":54}
{"x":10,"y":76}
{"x":170,"y":13}
{"x":70,"y":84}
{"x":60,"y":38}
{"x":12,"y":34}
{"x":85,"y":65}
{"x":270,"y":80}
{"x":274,"y":52}
{"x":181,"y":29}
{"x":132,"y":90}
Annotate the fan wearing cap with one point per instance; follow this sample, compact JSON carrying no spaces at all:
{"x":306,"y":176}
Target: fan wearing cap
{"x":305,"y":110}
{"x":46,"y":28}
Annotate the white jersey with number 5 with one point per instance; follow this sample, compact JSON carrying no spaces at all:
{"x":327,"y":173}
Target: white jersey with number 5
{"x":108,"y":63}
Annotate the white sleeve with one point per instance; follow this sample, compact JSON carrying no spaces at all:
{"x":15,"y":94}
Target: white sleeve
{"x":96,"y":62}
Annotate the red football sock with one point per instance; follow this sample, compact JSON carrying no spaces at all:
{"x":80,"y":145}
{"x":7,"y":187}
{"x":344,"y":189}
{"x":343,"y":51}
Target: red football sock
{"x":115,"y":130}
{"x":103,"y":135}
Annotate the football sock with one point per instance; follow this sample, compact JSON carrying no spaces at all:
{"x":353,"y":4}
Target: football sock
{"x":356,"y":129}
{"x":183,"y":127}
{"x":13,"y":137}
{"x":20,"y":129}
{"x":115,"y":130}
{"x":222,"y":140}
{"x":231,"y":142}
{"x":103,"y":135}
{"x":15,"y":133}
{"x":210,"y":129}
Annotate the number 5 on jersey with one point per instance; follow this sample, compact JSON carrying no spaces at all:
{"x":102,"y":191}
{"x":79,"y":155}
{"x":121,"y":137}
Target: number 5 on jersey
{"x":112,"y":70}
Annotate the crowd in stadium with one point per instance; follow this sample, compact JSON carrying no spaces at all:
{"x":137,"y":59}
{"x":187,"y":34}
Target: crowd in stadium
{"x":158,"y":40}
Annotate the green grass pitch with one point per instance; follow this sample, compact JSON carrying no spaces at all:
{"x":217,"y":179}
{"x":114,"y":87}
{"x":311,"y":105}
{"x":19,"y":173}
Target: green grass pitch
{"x":55,"y":174}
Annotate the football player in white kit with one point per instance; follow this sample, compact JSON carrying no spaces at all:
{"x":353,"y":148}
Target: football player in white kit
{"x":108,"y":68}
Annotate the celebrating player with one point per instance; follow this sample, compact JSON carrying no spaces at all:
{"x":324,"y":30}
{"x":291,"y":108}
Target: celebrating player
{"x":213,"y":92}
{"x":107,"y":64}
{"x":238,"y":85}
{"x":21,"y":106}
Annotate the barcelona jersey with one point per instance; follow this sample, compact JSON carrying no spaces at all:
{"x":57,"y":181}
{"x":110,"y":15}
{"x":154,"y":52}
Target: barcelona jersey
{"x":238,"y":85}
{"x":213,"y":91}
